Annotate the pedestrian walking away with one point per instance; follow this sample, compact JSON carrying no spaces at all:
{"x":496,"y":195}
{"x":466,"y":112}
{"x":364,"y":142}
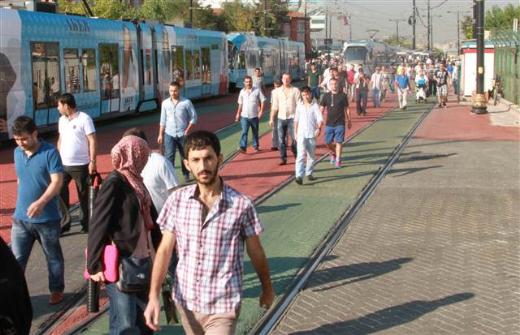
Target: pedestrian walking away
{"x":124,"y":215}
{"x":249,"y":112}
{"x":285,"y":99}
{"x":308,"y":120}
{"x":441,"y":78}
{"x":362,"y":83}
{"x":177,"y":118}
{"x":39,"y":174}
{"x":402,"y":84}
{"x":336,"y":105}
{"x":77,"y":146}
{"x":209,"y":277}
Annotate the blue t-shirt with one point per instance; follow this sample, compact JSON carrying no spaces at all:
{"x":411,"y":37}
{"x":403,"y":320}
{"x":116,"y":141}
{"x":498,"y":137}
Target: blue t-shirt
{"x":34,"y":176}
{"x":403,"y":81}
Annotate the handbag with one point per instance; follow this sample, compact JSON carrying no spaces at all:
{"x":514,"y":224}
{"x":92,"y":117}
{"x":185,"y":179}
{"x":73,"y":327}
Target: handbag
{"x":135,"y":271}
{"x":135,"y":274}
{"x":110,"y":264}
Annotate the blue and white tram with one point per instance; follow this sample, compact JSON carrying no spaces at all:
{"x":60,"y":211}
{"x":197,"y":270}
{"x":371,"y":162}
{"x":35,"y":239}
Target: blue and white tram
{"x":112,"y":67}
{"x":274,"y":56}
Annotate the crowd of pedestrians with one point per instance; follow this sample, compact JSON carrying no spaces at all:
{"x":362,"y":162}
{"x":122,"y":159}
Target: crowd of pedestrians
{"x":154,"y":224}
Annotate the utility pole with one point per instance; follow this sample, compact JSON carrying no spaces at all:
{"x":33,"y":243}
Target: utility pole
{"x":413,"y":25}
{"x":191,"y":13}
{"x":350,"y":24}
{"x":458,"y":31}
{"x":429,"y":27}
{"x":479,"y":103}
{"x":265,"y":16}
{"x":397,"y":26}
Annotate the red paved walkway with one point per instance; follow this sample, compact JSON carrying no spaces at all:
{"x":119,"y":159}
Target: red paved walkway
{"x":107,"y":137}
{"x":256,"y":174}
{"x":457,"y":123}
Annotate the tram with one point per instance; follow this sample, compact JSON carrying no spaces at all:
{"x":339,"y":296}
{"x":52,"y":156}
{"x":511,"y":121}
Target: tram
{"x":274,"y":56}
{"x":112,"y":67}
{"x":369,"y":54}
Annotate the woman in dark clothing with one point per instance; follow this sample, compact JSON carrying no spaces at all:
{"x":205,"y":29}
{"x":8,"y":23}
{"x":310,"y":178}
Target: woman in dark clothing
{"x":123,"y":216}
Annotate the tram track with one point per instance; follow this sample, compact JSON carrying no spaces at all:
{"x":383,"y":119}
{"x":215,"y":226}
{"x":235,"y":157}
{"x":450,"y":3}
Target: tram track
{"x":80,"y":296}
{"x":273,"y":316}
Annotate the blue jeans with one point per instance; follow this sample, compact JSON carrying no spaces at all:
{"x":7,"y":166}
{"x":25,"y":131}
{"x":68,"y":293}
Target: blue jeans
{"x":306,"y":147}
{"x":126,"y":311}
{"x":376,"y":97}
{"x":274,"y":134}
{"x":286,"y":127}
{"x":315,"y":91}
{"x":23,"y":235}
{"x":246,"y":123}
{"x":171,"y":144}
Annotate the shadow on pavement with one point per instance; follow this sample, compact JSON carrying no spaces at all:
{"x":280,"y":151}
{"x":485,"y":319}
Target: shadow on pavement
{"x":388,"y":317}
{"x":266,"y":209}
{"x":40,"y":304}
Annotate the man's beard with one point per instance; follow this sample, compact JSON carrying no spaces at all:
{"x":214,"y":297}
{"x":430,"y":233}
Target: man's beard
{"x":212,"y":177}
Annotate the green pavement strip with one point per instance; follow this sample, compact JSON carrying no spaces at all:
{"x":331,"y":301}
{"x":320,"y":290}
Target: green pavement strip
{"x":297,"y":218}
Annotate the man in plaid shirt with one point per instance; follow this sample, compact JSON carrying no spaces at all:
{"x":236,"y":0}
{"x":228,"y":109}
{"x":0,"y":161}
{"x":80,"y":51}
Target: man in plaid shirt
{"x":207,"y":224}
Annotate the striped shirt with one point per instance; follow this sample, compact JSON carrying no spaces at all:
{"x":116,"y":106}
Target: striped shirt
{"x":208,"y":278}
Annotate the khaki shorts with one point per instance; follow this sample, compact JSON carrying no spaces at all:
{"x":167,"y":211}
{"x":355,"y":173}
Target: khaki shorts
{"x":195,"y":323}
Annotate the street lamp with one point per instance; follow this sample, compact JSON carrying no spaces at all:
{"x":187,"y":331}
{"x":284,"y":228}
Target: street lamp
{"x":479,"y":104}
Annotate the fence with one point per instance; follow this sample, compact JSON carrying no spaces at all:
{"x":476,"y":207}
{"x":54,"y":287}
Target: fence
{"x":507,"y":62}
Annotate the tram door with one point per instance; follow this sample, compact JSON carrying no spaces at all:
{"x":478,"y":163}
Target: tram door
{"x":206,"y":71}
{"x":109,"y":78}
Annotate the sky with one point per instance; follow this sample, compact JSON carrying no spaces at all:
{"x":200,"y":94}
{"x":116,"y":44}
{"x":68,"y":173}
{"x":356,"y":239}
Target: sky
{"x":376,"y":14}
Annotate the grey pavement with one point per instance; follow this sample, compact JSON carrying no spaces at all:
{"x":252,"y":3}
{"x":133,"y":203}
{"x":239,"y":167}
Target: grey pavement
{"x":435,"y":250}
{"x":73,"y":243}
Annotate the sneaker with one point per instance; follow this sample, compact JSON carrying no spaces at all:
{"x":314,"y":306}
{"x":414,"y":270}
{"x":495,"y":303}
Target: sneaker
{"x":311,"y":177}
{"x":65,"y":228}
{"x":332,"y":159}
{"x":55,"y":298}
{"x":257,"y":149}
{"x":338,"y":164}
{"x":242,"y":150}
{"x":282,"y":162}
{"x":274,"y":148}
{"x":298,"y":180}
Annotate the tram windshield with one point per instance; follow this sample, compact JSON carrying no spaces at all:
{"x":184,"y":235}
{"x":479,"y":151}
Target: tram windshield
{"x":356,"y":54}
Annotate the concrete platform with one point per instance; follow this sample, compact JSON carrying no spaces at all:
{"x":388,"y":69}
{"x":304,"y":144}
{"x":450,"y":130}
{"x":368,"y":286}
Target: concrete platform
{"x":436,"y":248}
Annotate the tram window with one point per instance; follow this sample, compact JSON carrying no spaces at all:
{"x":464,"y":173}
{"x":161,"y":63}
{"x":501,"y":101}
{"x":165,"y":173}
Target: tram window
{"x":71,"y":70}
{"x":189,"y":64}
{"x":206,"y":65}
{"x":46,"y":74}
{"x":109,"y":71}
{"x":88,"y":60}
{"x":177,"y":63}
{"x":148,"y":67}
{"x":196,"y":63}
{"x":241,"y":61}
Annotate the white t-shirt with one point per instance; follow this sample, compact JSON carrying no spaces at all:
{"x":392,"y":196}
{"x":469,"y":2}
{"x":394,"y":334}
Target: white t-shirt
{"x":159,"y":178}
{"x":308,"y":119}
{"x":73,"y":139}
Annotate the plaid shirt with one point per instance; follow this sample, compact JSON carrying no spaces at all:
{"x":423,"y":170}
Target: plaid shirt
{"x":208,"y":277}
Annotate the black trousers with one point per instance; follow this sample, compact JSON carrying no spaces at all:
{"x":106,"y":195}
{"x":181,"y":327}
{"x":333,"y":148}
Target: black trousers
{"x":79,"y":174}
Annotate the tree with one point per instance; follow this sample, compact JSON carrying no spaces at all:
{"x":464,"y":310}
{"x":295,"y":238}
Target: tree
{"x":275,"y":17}
{"x":467,"y":26}
{"x":496,"y":18}
{"x":501,"y":18}
{"x":108,"y":9}
{"x":238,"y":16}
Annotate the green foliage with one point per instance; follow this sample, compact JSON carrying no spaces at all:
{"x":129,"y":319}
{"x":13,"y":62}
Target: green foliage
{"x":403,"y":42}
{"x":502,"y":18}
{"x":466,"y":25}
{"x":238,"y":16}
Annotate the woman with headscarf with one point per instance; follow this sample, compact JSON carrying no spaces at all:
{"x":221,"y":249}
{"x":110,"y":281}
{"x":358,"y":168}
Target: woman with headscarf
{"x":123,"y":216}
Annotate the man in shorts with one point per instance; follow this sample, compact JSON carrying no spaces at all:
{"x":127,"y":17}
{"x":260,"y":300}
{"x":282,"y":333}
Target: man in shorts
{"x":336,"y":104}
{"x":441,"y":77}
